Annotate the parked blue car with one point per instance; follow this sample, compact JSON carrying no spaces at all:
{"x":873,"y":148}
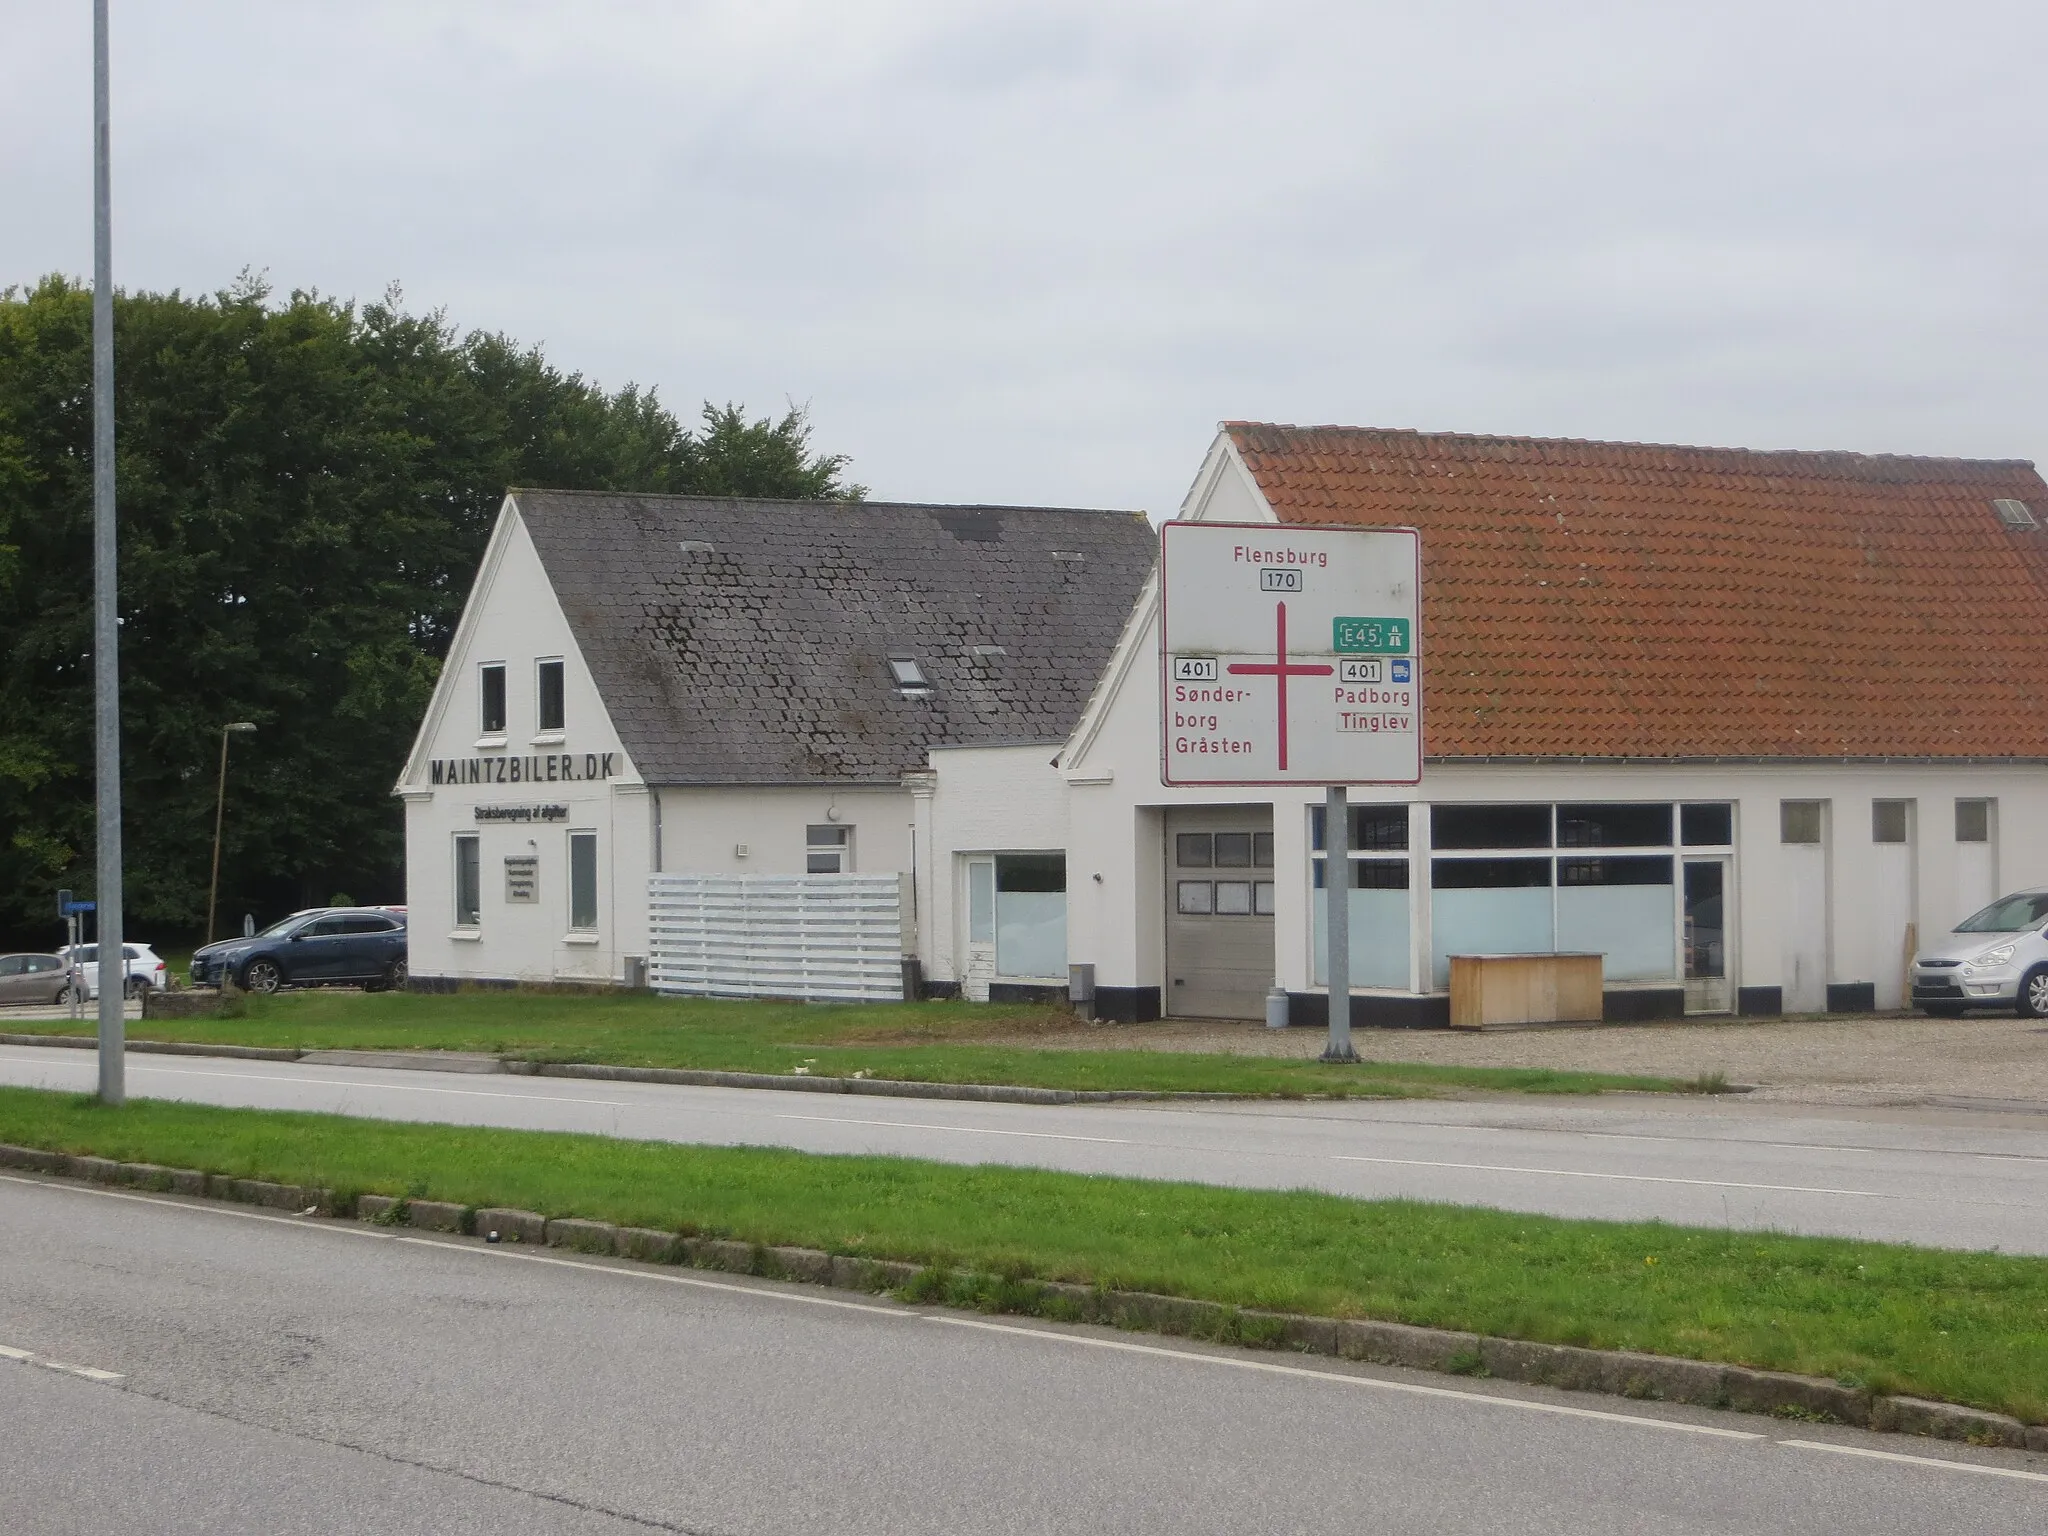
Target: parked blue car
{"x":327,"y":946}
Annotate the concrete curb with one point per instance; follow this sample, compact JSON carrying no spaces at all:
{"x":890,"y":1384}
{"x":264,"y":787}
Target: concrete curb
{"x":1619,"y":1373}
{"x":160,"y":1047}
{"x":687,"y":1077}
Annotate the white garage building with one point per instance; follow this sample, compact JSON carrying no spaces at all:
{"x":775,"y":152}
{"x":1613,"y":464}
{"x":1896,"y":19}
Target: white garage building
{"x":1744,"y":723}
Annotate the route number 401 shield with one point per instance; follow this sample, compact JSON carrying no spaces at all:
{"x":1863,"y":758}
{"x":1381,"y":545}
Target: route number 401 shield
{"x":1288,"y":655}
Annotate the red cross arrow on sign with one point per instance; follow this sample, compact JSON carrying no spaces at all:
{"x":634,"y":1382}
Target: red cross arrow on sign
{"x":1280,"y":670}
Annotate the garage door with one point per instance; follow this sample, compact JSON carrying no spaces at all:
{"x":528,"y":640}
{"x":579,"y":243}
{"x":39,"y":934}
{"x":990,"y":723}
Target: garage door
{"x":1219,"y":911}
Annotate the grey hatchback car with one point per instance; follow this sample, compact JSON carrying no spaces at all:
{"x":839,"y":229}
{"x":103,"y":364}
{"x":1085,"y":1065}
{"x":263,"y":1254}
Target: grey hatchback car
{"x":1997,"y":958}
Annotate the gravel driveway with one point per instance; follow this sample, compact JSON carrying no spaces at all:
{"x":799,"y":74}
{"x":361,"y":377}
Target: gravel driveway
{"x":1860,"y":1059}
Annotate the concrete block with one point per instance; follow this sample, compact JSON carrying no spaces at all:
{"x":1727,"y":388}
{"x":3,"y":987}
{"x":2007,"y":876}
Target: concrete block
{"x":1627,"y":1374}
{"x":187,"y":1181}
{"x":2037,"y":1437}
{"x":375,"y":1207}
{"x":583,"y":1236}
{"x":720,"y":1253}
{"x":1789,"y":1396}
{"x":31,"y":1159}
{"x":1426,"y":1349}
{"x":800,"y":1264}
{"x":145,"y":1176}
{"x":101,"y":1170}
{"x":1314,"y":1335}
{"x":649,"y":1245}
{"x":1946,"y":1421}
{"x":511,"y":1226}
{"x":436,"y":1215}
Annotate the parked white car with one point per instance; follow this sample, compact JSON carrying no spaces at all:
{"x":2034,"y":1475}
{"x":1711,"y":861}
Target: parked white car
{"x":1997,"y":958}
{"x":145,"y":969}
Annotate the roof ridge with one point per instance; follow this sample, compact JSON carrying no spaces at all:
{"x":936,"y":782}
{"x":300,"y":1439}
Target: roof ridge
{"x":867,"y":505}
{"x":1800,"y":455}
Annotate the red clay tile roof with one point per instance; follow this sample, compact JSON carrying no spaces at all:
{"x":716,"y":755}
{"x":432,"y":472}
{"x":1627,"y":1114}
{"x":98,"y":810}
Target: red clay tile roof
{"x":1622,"y":600}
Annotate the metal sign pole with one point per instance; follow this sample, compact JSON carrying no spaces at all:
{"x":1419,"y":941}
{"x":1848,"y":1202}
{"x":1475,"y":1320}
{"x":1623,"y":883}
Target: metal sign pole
{"x":1337,"y":888}
{"x":106,"y":594}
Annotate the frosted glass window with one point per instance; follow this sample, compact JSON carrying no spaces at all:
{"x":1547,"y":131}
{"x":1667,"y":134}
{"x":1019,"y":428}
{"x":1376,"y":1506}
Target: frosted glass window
{"x":1233,"y":850}
{"x":1193,"y":850}
{"x":1623,"y":909}
{"x":1233,"y":898}
{"x":1195,"y":897}
{"x":1379,"y":938}
{"x":1262,"y":898}
{"x":1488,"y":907}
{"x":1031,"y":915}
{"x":981,"y":902}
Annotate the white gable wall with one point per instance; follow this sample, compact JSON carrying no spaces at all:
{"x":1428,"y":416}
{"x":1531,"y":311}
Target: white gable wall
{"x":513,"y":617}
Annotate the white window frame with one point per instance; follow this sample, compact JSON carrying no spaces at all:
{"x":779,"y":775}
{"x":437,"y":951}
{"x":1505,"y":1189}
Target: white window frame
{"x":474,"y":919}
{"x":836,"y":844}
{"x":596,"y":922}
{"x":484,"y":728}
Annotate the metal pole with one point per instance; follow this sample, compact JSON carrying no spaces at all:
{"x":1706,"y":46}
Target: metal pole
{"x":1337,"y":889}
{"x":106,"y":671}
{"x":220,"y":801}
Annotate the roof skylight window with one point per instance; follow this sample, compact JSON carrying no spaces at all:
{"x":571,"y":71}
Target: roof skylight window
{"x":2014,"y":514}
{"x":910,"y":678}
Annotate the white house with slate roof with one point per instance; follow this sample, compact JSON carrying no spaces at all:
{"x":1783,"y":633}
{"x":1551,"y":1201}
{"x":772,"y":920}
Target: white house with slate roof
{"x":663,"y":684}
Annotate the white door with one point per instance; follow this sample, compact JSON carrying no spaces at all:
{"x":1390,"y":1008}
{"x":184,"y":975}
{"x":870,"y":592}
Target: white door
{"x":1893,"y":899}
{"x":1805,"y":929}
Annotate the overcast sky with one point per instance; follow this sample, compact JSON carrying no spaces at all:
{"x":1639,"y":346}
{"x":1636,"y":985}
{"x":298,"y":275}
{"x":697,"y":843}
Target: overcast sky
{"x":1034,"y":252}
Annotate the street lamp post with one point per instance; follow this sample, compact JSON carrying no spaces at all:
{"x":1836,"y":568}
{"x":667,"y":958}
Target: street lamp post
{"x":106,"y":667}
{"x":220,"y":803}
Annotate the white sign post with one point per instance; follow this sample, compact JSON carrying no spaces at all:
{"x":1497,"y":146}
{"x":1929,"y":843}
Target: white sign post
{"x":1288,"y":655}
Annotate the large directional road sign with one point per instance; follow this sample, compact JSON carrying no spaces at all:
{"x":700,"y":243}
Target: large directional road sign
{"x":1288,"y":654}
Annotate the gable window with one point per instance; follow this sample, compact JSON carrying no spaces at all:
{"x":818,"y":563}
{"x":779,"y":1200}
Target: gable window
{"x":469,"y":885}
{"x":548,"y":687}
{"x":491,"y":691}
{"x":828,"y":850}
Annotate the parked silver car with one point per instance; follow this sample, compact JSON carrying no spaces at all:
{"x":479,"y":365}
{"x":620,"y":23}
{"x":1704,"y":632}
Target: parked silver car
{"x":31,"y":979}
{"x":1995,"y":959}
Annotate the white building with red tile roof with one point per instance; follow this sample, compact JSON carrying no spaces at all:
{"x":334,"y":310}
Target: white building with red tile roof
{"x":1746,"y":724}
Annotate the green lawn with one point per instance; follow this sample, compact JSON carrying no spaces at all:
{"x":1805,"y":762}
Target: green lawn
{"x":1965,"y":1327}
{"x":925,"y":1042}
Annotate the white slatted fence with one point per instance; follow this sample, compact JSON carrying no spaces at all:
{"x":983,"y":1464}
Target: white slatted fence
{"x":821,"y":938}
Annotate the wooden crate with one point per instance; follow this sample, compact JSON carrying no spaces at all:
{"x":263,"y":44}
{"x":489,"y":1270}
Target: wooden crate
{"x":1525,"y":989}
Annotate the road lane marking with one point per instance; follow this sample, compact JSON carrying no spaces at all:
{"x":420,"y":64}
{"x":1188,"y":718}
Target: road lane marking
{"x":30,"y":1357}
{"x":1374,"y":1383}
{"x":1650,"y":1178}
{"x":1917,"y":1461}
{"x":983,"y":1130}
{"x":203,"y":1205}
{"x":499,"y":1252}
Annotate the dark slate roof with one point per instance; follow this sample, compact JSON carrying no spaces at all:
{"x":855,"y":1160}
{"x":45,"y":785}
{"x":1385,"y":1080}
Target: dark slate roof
{"x":747,"y":642}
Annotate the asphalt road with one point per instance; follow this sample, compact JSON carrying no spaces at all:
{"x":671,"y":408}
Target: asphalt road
{"x":1938,"y":1178}
{"x":258,"y":1373}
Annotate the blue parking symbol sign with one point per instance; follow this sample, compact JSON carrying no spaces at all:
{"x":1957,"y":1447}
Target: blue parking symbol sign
{"x":1401,"y":666}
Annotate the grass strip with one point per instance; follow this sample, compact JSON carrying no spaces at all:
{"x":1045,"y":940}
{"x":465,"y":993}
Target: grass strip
{"x":938,"y":1042}
{"x":1962,"y":1327}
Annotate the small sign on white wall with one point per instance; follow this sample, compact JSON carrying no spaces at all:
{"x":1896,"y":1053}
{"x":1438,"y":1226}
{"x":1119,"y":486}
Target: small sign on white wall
{"x":1288,"y":654}
{"x":522,"y":880}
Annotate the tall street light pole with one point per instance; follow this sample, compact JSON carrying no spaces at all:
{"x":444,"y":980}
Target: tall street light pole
{"x":106,"y":620}
{"x":220,"y":804}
